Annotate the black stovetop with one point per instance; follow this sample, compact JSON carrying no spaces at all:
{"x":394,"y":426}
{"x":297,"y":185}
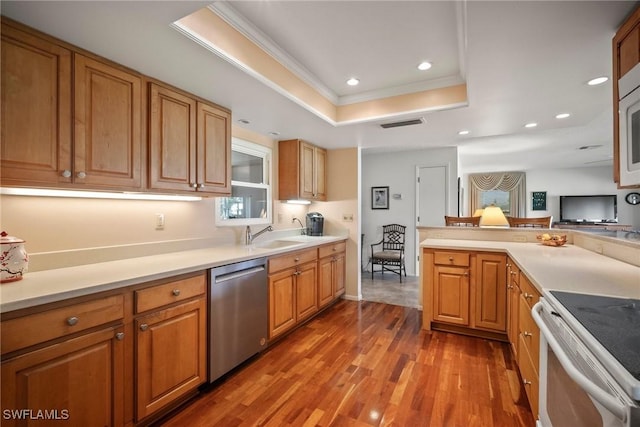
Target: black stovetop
{"x":614,"y":322}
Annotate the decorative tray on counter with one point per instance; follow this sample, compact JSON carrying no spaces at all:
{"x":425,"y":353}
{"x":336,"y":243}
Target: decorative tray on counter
{"x":552,"y":239}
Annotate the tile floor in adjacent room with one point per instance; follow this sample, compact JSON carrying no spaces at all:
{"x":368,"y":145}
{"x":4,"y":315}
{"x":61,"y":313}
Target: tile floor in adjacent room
{"x":388,"y":289}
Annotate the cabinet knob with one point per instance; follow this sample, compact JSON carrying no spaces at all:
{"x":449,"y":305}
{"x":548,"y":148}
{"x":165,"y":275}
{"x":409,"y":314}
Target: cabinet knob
{"x":526,"y":382}
{"x":194,"y":185}
{"x":120,"y":336}
{"x":527,"y":334}
{"x":335,"y":249}
{"x":71,"y":321}
{"x":176,"y":292}
{"x":144,"y":327}
{"x":528,"y":296}
{"x":451,"y":258}
{"x":466,"y":273}
{"x":81,"y":175}
{"x":66,"y":173}
{"x":296,"y":259}
{"x":509,"y":286}
{"x":200,"y":185}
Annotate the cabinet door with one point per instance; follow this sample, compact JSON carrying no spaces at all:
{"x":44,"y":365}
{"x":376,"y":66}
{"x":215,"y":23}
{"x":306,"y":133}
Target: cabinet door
{"x":325,"y":281}
{"x":629,"y":51}
{"x":108,"y":125}
{"x":80,"y":380}
{"x":307,"y":171}
{"x":172,"y":140}
{"x":214,"y":150}
{"x":320,"y":171}
{"x":491,"y":292}
{"x":282,"y":308}
{"x":171,"y":355}
{"x":306,"y":291}
{"x":339,"y":274}
{"x":451,"y":295}
{"x":36,"y":110}
{"x":513,"y":301}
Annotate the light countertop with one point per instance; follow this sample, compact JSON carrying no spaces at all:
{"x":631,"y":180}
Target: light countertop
{"x":566,"y":268}
{"x":55,"y":285}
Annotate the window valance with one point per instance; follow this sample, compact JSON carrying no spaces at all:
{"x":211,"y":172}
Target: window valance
{"x":512,"y":182}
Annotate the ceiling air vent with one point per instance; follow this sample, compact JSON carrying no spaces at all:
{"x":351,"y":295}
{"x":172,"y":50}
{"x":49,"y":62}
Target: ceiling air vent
{"x":402,"y":123}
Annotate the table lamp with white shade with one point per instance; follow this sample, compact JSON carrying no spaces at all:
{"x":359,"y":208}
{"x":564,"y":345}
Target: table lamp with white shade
{"x":493,"y":217}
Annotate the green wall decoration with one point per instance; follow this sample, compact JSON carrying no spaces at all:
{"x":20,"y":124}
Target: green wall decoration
{"x":539,"y":200}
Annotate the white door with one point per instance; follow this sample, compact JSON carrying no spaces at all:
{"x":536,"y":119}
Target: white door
{"x":432,"y":196}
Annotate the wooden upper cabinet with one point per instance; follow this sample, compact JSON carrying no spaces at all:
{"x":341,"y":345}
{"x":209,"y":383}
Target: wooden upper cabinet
{"x":302,"y":171}
{"x":36,"y":110}
{"x":172,"y":140}
{"x":189,"y":143}
{"x":107,"y":125}
{"x":214,"y":149}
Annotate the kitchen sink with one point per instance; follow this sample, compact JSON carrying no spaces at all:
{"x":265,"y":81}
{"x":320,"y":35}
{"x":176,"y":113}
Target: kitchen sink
{"x":277,"y":244}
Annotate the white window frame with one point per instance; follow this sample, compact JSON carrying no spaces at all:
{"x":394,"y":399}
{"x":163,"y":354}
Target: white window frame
{"x":265,"y":154}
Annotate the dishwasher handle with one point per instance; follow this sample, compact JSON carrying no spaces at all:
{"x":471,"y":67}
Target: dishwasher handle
{"x":237,"y":274}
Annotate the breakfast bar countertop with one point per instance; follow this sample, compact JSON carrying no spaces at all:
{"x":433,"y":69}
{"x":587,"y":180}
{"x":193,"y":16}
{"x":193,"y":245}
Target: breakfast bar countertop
{"x":48,"y":286}
{"x":567,"y":268}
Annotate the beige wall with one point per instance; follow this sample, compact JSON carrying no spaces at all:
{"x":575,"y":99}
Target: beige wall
{"x":342,"y":182}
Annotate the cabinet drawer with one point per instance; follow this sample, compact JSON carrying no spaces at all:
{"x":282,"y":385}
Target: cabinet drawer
{"x":529,"y":332}
{"x":36,"y":328}
{"x":292,"y":259}
{"x":332,"y":249}
{"x":168,"y":293}
{"x":451,"y":258}
{"x":529,"y":292}
{"x":529,"y":377}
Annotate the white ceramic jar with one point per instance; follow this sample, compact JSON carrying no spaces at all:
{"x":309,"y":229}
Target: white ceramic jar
{"x":13,"y":258}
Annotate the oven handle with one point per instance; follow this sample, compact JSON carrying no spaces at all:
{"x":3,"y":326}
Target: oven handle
{"x":607,"y":400}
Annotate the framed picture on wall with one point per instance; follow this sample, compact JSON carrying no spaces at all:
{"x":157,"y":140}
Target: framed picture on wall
{"x":379,"y":197}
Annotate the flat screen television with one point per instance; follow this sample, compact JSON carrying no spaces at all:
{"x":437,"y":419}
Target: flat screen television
{"x":596,"y":208}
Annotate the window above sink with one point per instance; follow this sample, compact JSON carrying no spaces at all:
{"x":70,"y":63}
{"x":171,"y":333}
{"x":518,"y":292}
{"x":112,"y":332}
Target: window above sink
{"x":250,"y":202}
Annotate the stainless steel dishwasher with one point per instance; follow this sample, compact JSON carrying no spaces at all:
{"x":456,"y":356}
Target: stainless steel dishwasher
{"x":238,"y":314}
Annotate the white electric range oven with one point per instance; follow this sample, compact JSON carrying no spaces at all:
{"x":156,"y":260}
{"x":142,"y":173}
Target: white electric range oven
{"x":589,"y":360}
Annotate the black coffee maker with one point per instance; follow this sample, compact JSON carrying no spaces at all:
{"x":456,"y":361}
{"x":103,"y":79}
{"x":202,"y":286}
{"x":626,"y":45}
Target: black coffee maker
{"x":315,"y":224}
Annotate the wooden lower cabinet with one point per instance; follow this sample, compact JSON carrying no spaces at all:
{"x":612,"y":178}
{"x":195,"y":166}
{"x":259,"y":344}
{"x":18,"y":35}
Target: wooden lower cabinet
{"x":80,"y":381}
{"x":171,"y":355}
{"x":293,"y":297}
{"x":466,"y":289}
{"x":331,"y":272}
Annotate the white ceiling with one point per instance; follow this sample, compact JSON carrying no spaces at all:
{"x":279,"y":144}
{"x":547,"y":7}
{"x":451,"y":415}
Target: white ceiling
{"x":522,"y":62}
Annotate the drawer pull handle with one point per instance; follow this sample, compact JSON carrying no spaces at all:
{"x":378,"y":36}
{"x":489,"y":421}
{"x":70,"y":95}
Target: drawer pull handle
{"x":527,"y":334}
{"x":528,"y":296}
{"x":176,"y":292}
{"x":144,"y":327}
{"x":120,"y":336}
{"x":526,"y":382}
{"x":296,"y":259}
{"x":71,"y":321}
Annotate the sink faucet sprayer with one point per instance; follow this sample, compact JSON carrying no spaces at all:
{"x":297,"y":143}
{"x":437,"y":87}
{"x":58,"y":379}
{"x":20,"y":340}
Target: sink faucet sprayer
{"x":248,"y":237}
{"x":303,"y":230}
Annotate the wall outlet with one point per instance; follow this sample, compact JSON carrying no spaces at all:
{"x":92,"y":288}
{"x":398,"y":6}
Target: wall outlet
{"x":437,"y":235}
{"x":159,"y":221}
{"x":519,"y":238}
{"x":347,"y":217}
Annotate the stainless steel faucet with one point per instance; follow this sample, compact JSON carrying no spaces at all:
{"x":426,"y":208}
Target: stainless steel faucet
{"x":248,"y":237}
{"x":303,"y":230}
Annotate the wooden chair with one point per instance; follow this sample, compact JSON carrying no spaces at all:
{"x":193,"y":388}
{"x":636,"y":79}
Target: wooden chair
{"x":462,"y":221}
{"x":391,"y":257}
{"x":544,"y":222}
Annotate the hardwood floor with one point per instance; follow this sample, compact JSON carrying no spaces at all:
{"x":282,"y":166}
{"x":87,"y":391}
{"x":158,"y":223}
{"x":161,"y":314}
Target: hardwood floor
{"x":368,"y":364}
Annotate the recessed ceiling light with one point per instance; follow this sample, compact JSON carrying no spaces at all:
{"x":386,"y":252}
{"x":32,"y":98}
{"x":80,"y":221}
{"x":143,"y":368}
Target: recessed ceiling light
{"x":424,"y":66}
{"x":274,"y":133}
{"x":597,"y":81}
{"x":353,"y":81}
{"x":244,"y":121}
{"x":531,"y":125}
{"x":562,"y":115}
{"x":463,"y":132}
